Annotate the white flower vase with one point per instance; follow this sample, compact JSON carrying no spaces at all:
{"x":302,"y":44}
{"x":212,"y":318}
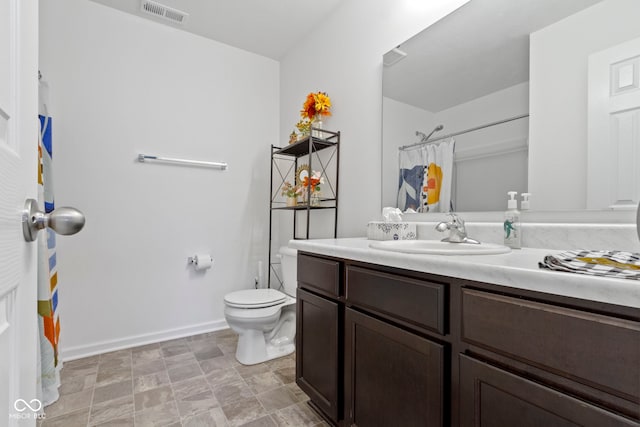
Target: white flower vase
{"x":317,"y":124}
{"x":292,"y":201}
{"x":315,"y":198}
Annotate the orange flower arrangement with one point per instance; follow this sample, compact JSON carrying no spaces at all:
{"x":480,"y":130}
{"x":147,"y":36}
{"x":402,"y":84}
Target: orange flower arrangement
{"x":316,"y":104}
{"x":314,"y":181}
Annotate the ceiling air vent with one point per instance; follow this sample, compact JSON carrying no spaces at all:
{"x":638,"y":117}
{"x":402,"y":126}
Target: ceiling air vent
{"x":161,"y":11}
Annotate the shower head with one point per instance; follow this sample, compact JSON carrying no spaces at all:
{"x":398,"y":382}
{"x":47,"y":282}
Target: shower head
{"x":425,"y":138}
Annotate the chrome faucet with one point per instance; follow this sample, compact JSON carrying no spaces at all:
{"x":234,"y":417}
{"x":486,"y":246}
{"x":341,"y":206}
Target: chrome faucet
{"x":457,"y":230}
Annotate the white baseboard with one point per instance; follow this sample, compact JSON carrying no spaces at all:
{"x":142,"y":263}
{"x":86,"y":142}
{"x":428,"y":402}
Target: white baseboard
{"x":78,"y":352}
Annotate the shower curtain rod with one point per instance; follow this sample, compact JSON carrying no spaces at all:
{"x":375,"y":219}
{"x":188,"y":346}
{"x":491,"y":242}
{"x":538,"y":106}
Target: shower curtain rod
{"x":440,"y":138}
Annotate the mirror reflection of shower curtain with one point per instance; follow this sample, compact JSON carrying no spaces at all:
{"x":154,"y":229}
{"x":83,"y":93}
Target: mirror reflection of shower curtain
{"x":426,"y":176}
{"x":411,"y":164}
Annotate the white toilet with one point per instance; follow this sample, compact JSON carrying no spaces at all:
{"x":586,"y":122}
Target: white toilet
{"x":265,"y":319}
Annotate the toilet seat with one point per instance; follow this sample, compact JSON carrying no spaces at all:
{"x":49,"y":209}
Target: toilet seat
{"x":254,"y":298}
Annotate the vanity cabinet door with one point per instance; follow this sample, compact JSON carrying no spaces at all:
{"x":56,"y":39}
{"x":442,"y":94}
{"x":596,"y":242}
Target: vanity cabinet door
{"x":318,"y":352}
{"x":393,"y":377}
{"x":492,"y":397}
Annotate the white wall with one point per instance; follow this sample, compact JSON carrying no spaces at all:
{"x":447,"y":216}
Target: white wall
{"x":343,"y":57}
{"x":558,"y":103}
{"x":482,"y":180}
{"x":122,"y":85}
{"x":509,"y":102}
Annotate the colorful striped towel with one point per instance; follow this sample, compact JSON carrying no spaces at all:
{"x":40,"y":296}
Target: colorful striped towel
{"x":618,"y":264}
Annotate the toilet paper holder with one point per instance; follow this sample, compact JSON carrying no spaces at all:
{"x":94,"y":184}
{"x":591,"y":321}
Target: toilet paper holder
{"x":200,"y":261}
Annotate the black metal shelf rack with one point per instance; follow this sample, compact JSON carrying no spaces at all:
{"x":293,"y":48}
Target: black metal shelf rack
{"x":292,"y":156}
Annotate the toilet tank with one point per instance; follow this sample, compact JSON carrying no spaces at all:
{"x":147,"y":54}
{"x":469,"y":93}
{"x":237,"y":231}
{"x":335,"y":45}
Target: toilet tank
{"x":289,"y":259}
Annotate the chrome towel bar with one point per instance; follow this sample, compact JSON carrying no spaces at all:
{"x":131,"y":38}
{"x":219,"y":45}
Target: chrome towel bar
{"x":217,"y":165}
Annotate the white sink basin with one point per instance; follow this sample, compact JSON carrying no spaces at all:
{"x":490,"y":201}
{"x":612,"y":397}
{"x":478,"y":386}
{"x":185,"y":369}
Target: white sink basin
{"x":436,"y":247}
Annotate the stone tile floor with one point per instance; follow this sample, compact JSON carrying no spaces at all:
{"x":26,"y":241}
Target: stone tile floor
{"x":193,"y":381}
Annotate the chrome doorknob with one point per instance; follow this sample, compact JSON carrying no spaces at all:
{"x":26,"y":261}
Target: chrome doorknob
{"x":64,"y":220}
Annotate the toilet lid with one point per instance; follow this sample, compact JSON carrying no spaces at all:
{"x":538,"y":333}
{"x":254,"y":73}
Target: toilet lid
{"x":254,"y":298}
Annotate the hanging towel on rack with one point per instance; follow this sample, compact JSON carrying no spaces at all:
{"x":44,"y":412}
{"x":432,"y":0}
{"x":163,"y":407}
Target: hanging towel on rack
{"x":437,"y":176}
{"x":411,"y":164}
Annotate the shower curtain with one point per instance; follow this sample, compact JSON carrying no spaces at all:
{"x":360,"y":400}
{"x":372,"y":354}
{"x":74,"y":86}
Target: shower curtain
{"x":411,"y":175}
{"x":48,"y":320}
{"x":426,"y":176}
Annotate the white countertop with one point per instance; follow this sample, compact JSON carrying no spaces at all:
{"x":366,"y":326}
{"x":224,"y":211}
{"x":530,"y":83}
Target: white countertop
{"x":518,"y":269}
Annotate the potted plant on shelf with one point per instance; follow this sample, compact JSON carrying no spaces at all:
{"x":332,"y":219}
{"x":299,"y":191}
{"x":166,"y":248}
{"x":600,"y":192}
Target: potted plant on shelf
{"x":291,"y":192}
{"x":304,"y":127}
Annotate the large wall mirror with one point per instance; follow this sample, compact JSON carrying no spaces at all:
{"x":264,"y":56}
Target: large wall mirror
{"x":540,"y":96}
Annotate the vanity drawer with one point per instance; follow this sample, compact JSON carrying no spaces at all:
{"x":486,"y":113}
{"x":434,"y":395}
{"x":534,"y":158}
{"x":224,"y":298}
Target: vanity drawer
{"x":412,"y":301}
{"x":319,"y":274}
{"x":594,"y":349}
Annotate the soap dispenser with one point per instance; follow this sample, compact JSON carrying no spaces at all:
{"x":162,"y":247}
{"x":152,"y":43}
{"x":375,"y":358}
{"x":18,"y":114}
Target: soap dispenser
{"x":512,"y":222}
{"x":525,"y":205}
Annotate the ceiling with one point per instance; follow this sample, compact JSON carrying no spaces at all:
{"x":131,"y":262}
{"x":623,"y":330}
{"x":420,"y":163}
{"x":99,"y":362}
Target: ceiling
{"x":479,"y":49}
{"x":267,"y":28}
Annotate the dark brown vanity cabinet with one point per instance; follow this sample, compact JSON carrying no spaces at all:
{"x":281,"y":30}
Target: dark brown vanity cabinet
{"x":319,"y":332}
{"x":493,"y":397}
{"x":394,"y":374}
{"x":392,"y":377}
{"x":535,"y":363}
{"x":317,"y":357}
{"x":362,"y":355}
{"x":378,"y":346}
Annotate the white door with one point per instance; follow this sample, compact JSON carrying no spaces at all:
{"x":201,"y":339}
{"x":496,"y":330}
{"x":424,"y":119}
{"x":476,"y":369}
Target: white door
{"x":18,"y":168}
{"x":614,"y":128}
